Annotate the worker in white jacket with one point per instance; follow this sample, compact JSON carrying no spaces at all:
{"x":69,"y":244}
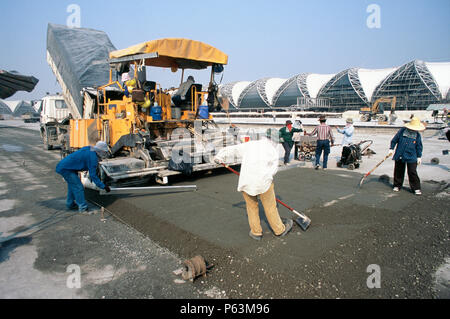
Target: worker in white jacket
{"x":259,"y":164}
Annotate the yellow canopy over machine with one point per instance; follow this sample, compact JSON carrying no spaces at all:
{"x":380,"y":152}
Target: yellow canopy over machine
{"x":174,"y":53}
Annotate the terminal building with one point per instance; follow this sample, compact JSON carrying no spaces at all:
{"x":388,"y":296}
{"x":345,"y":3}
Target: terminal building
{"x":416,"y":85}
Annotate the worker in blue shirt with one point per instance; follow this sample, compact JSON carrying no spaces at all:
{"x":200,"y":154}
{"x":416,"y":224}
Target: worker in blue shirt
{"x":347,"y":131}
{"x":85,"y":159}
{"x":407,"y":154}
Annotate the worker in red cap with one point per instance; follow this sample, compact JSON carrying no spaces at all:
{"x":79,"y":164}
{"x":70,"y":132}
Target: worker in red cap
{"x":286,"y":133}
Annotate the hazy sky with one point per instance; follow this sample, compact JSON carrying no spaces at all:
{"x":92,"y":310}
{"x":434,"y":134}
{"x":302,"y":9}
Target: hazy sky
{"x":262,"y":38}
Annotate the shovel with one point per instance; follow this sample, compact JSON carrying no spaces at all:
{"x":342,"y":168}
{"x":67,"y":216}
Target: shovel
{"x":303,"y":221}
{"x":371,"y":171}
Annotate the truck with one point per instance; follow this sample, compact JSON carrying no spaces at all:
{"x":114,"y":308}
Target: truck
{"x":54,"y":121}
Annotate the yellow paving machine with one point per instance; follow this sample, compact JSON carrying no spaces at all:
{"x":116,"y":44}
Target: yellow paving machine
{"x":140,"y":123}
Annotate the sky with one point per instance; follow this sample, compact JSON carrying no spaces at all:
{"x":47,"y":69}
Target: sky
{"x":262,"y":38}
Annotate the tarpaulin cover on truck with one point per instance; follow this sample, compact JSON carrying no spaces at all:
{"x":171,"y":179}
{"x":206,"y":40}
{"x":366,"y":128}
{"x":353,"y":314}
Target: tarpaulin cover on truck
{"x":13,"y":81}
{"x":79,"y":59}
{"x":176,"y":53}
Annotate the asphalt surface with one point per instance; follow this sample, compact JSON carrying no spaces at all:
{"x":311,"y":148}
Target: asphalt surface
{"x":40,"y":240}
{"x":352,"y":229}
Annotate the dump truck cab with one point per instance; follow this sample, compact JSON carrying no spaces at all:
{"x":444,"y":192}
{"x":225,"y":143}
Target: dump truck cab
{"x":54,"y":116}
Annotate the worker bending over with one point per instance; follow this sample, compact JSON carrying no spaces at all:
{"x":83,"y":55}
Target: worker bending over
{"x":259,"y":165}
{"x":85,"y":159}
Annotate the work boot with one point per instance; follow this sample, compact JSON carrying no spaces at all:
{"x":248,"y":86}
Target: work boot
{"x":288,"y":226}
{"x":72,"y":207}
{"x":254,"y":236}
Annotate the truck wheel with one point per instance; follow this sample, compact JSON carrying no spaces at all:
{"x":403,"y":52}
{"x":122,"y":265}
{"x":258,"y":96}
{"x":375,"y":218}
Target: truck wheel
{"x":365,"y":118}
{"x":45,"y":141}
{"x":382,"y":118}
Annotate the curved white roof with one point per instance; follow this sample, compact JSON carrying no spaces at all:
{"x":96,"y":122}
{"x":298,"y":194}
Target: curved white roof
{"x":4,"y":108}
{"x":441,"y":73}
{"x":12,"y":105}
{"x":272,"y":86}
{"x":314,"y":83}
{"x":237,"y":90}
{"x":371,"y":78}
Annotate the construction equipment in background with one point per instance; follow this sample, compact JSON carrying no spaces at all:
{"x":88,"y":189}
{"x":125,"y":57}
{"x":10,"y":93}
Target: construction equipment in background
{"x":54,"y":121}
{"x":136,"y":117}
{"x":377,"y":111}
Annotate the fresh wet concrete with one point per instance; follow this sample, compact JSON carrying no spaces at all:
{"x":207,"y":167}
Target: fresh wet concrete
{"x":351,"y":229}
{"x":132,"y":254}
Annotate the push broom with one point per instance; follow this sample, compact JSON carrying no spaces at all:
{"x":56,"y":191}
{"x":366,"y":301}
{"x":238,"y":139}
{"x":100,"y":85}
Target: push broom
{"x":302,"y":220}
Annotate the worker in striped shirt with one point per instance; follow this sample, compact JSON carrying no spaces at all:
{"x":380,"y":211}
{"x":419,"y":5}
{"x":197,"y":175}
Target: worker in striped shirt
{"x":324,"y":139}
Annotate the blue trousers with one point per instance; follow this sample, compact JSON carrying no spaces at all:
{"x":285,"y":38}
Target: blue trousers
{"x":322,"y":145}
{"x":287,"y":151}
{"x":75,"y":190}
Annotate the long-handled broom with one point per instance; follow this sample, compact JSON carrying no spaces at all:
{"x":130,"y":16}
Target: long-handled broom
{"x":303,"y":221}
{"x":371,"y":171}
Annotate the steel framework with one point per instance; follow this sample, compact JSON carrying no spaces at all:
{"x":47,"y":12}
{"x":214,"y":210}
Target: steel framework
{"x":412,"y":84}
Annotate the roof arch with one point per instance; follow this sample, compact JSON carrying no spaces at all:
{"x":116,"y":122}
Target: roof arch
{"x":19,"y":108}
{"x":252,"y":95}
{"x":441,"y":74}
{"x":289,"y":91}
{"x":413,"y":84}
{"x":371,"y":78}
{"x":4,"y":108}
{"x":226,"y":91}
{"x":344,"y":90}
{"x":268,"y":87}
{"x":314,"y":82}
